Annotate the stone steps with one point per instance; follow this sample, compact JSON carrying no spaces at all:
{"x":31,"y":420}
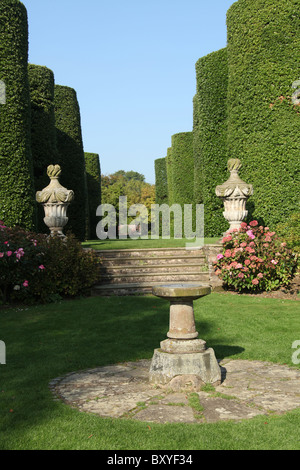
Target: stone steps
{"x":131,"y":272}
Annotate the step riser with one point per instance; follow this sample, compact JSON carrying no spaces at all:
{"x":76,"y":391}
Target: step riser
{"x":134,"y":272}
{"x":159,"y":278}
{"x":152,"y":270}
{"x":106,"y":254}
{"x":146,"y":261}
{"x":119,"y":292}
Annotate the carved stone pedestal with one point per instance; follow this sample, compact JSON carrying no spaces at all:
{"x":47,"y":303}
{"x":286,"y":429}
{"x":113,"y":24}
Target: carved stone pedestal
{"x":183,"y":360}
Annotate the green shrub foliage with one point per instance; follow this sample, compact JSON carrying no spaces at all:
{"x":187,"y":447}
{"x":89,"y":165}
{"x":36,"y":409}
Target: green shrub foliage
{"x":43,"y":134}
{"x":71,"y":156}
{"x":93,"y":174}
{"x":182,"y":168}
{"x":263,"y":122}
{"x":198,"y":182}
{"x":210,"y":134}
{"x":169,"y":175}
{"x":289,"y":230}
{"x":17,"y":199}
{"x":161,"y":181}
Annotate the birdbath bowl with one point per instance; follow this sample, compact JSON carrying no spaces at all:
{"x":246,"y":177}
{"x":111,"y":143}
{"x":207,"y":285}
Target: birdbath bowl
{"x":183,"y":360}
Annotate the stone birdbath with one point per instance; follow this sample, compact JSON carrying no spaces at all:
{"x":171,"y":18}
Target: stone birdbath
{"x":183,"y":360}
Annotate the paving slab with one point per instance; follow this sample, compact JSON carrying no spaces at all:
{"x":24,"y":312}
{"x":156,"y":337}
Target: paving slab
{"x":123,"y":391}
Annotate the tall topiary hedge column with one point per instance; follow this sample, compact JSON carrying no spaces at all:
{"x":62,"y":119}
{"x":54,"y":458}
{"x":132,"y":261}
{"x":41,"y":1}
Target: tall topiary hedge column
{"x":43,"y":133}
{"x":198,"y":183}
{"x":263,"y":127}
{"x":169,"y":175}
{"x":161,"y":181}
{"x":93,"y":175}
{"x":17,"y":198}
{"x":210,"y":135}
{"x":71,"y":156}
{"x":183,"y":168}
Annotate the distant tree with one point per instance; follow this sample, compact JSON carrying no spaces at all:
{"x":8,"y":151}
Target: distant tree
{"x":130,"y":184}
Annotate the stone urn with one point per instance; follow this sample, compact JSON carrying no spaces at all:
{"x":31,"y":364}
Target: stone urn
{"x":56,"y":200}
{"x":234,"y":193}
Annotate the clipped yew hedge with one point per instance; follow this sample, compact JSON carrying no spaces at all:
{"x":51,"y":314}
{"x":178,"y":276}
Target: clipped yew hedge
{"x":182,"y":168}
{"x":93,"y":175}
{"x":71,"y":157}
{"x":169,"y":175}
{"x":161,"y":181}
{"x":17,"y":198}
{"x":210,"y":135}
{"x":198,"y":183}
{"x":43,"y":133}
{"x":263,"y":122}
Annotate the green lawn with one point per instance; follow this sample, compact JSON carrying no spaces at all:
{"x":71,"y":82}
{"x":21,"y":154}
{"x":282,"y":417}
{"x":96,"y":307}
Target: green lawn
{"x":45,"y":342}
{"x":130,"y":243}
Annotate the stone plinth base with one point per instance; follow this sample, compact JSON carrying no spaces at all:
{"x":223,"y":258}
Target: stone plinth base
{"x":179,"y":371}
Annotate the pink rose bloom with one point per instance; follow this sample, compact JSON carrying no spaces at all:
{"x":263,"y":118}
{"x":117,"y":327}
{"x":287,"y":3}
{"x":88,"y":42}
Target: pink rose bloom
{"x":247,"y":262}
{"x":241,"y":275}
{"x":220,"y":256}
{"x":228,"y":238}
{"x":227,"y":253}
{"x":244,"y":244}
{"x":9,"y":253}
{"x":255,"y":281}
{"x":25,"y":283}
{"x":41,"y":266}
{"x":250,"y":234}
{"x":253,"y":258}
{"x":243,"y":225}
{"x":283,"y":244}
{"x":253,"y":223}
{"x":19,"y":253}
{"x":218,"y":271}
{"x":273,"y":261}
{"x":1,"y":255}
{"x":260,"y":275}
{"x":6,"y":243}
{"x":239,"y":266}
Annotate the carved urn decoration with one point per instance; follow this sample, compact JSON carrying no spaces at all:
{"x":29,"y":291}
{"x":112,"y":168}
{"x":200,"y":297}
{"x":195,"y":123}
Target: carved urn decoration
{"x":56,"y":200}
{"x":234,"y":193}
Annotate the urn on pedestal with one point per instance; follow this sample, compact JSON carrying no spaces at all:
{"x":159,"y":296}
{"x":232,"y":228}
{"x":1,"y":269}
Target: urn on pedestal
{"x":234,"y":193}
{"x":56,"y":200}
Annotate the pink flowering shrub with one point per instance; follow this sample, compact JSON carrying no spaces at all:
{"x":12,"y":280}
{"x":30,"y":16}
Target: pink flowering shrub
{"x":21,"y":259}
{"x":255,"y":259}
{"x":34,"y":268}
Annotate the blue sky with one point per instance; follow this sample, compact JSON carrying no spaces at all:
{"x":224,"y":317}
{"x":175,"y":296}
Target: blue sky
{"x":132,"y":64}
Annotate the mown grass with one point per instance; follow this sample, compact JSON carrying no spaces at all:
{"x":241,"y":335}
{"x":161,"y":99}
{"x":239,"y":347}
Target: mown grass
{"x":132,"y":244}
{"x":45,"y":342}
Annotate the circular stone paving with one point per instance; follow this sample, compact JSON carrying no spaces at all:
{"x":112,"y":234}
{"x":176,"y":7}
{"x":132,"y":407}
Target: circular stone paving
{"x":248,"y":389}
